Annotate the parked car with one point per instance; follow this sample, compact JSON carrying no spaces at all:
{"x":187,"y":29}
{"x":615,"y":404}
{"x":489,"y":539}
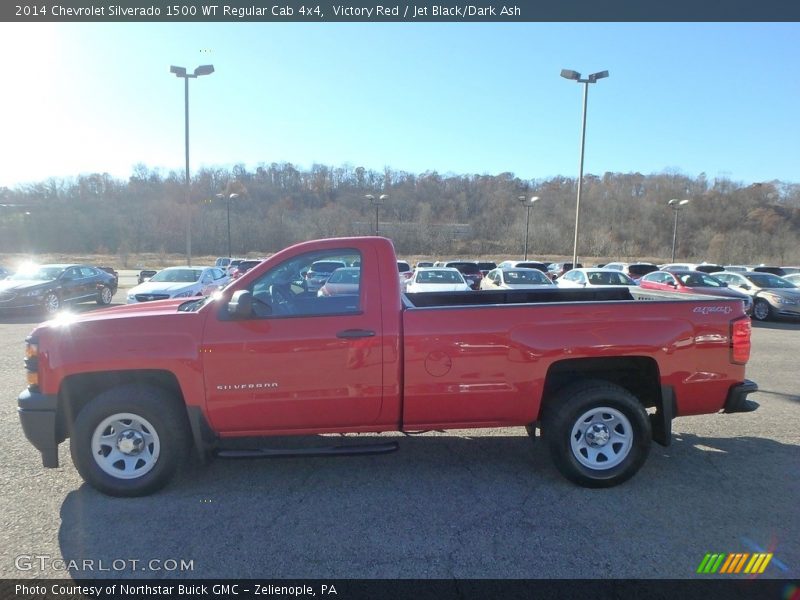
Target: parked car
{"x":113,"y":272}
{"x":319,"y":271}
{"x":633,"y":270}
{"x":405,"y":271}
{"x":485,"y":266}
{"x":793,"y":278}
{"x":516,"y":279}
{"x":556,"y":270}
{"x":423,"y":263}
{"x":791,"y":270}
{"x":222,"y":262}
{"x":702,"y":267}
{"x":693,"y":282}
{"x":523,"y":264}
{"x":470,"y":270}
{"x":50,"y":287}
{"x":772,"y":296}
{"x":243,"y":267}
{"x":594,"y":278}
{"x":437,"y":279}
{"x":779,"y":271}
{"x":234,"y":262}
{"x":179,"y":282}
{"x":145,"y":275}
{"x":342,"y":282}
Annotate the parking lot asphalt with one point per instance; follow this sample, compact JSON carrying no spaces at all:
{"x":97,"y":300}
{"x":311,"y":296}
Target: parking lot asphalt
{"x":461,"y":504}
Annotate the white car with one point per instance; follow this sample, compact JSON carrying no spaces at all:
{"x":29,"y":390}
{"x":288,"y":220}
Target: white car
{"x":179,"y":282}
{"x":515,"y":279}
{"x":594,"y":278}
{"x":437,"y":279}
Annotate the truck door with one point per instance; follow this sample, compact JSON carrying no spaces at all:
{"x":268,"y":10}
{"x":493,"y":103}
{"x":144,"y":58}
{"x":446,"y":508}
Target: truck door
{"x":303,"y":360}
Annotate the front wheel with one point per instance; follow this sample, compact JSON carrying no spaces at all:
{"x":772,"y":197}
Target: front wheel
{"x":762,"y":310}
{"x":598,"y":433}
{"x":130,"y":440}
{"x":51,"y":303}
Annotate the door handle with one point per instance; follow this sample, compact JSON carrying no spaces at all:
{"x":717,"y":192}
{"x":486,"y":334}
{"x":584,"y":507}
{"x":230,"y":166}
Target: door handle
{"x":352,"y":334}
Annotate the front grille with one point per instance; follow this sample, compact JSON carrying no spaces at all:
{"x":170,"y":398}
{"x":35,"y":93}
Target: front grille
{"x":149,"y":297}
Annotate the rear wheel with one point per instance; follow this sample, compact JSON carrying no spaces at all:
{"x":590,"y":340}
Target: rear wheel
{"x":762,"y":310}
{"x":598,"y":433}
{"x":129,"y":440}
{"x":105,"y":296}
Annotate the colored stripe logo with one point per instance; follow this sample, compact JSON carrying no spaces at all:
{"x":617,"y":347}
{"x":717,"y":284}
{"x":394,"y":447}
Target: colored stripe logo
{"x":731,"y":564}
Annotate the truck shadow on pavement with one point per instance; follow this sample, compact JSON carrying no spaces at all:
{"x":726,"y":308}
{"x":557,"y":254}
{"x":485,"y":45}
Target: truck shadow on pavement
{"x":446,"y":505}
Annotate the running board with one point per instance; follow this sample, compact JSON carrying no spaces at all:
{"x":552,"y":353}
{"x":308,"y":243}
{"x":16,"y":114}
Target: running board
{"x":349,"y":450}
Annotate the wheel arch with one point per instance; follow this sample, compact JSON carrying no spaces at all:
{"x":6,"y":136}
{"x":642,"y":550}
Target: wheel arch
{"x":639,"y":375}
{"x":77,"y":390}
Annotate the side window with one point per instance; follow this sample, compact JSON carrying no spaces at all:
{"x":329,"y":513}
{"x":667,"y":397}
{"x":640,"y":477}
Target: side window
{"x":313,"y":284}
{"x":87,"y":272}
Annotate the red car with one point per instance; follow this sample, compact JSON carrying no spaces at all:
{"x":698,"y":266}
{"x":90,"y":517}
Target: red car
{"x":693,"y":282}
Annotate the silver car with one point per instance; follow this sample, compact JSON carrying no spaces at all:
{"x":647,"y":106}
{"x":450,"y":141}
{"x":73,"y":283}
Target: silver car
{"x":773,"y":296}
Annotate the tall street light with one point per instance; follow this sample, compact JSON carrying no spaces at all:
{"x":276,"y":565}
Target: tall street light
{"x":528,"y":204}
{"x":377,"y":202}
{"x":676,"y":205}
{"x":230,"y":197}
{"x":574,"y":75}
{"x":181,"y":72}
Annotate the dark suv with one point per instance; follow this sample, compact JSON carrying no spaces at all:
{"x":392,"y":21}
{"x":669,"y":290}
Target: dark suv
{"x":470,"y":270}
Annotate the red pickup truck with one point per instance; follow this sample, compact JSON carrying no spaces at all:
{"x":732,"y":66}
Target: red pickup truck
{"x":600,"y":373}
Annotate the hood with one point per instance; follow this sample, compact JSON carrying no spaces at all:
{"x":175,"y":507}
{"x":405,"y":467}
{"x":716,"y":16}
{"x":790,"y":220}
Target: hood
{"x":163,"y":287}
{"x":19,"y":285}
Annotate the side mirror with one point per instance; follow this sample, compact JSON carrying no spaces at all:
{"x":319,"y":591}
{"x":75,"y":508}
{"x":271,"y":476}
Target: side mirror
{"x":745,"y":286}
{"x":241,"y":304}
{"x":724,"y":284}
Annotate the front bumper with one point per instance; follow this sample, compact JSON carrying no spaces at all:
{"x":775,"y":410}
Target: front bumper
{"x":737,"y":397}
{"x":37,"y":413}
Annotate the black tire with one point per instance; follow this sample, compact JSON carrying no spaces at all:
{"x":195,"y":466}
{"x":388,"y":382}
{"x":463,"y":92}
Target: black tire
{"x":616,"y":415}
{"x":762,"y":310}
{"x":105,"y":295}
{"x":51,"y":303}
{"x":159,"y":456}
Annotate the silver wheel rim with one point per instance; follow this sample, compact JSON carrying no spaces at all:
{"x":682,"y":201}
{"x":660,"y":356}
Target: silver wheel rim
{"x":761,"y":310}
{"x":106,"y":295}
{"x":51,"y":303}
{"x":601,"y":438}
{"x":125,"y":446}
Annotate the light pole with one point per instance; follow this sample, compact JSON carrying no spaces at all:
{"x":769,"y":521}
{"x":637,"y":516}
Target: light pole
{"x":574,"y":75}
{"x":181,"y":72}
{"x":377,"y":202}
{"x":230,"y":197}
{"x":676,"y":206}
{"x":528,"y":204}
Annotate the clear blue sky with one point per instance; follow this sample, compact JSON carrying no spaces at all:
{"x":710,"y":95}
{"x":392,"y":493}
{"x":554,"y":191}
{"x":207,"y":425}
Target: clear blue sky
{"x":452,"y":97}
